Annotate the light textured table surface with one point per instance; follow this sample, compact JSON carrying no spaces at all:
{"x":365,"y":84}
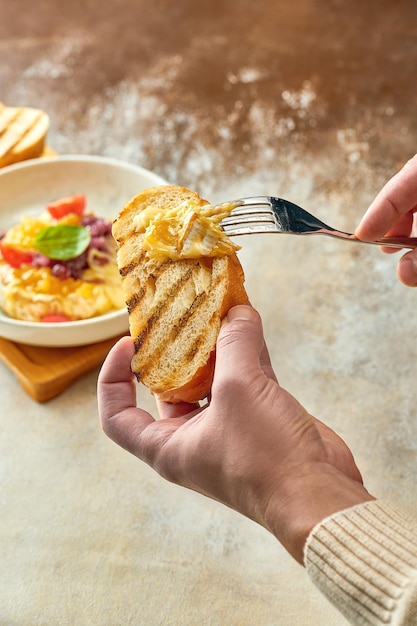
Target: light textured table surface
{"x":314,"y":101}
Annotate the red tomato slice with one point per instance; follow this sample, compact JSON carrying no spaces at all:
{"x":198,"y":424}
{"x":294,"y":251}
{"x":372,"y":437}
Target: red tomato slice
{"x":15,"y":256}
{"x":65,"y":206}
{"x":55,"y":317}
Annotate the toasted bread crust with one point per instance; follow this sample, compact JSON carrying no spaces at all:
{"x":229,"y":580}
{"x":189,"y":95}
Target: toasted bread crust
{"x":175,"y":307}
{"x":23,"y":132}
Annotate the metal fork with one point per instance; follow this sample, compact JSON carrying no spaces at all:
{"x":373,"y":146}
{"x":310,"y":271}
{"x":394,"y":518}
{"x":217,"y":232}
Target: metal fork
{"x":265,"y":214}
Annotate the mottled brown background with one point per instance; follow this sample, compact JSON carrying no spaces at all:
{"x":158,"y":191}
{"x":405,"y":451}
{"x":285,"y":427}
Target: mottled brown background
{"x":314,"y":100}
{"x":208,"y":89}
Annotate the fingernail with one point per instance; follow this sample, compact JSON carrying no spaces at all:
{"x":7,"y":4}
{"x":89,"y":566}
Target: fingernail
{"x":407,"y":270}
{"x":240,"y":312}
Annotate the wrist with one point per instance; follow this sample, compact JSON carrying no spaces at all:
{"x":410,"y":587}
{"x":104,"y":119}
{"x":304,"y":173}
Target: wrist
{"x":308,"y":495}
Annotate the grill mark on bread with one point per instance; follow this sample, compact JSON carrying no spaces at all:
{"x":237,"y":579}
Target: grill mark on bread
{"x":134,"y":301}
{"x":199,"y":340}
{"x":130,"y":267}
{"x":197,"y":304}
{"x":189,"y":356}
{"x":137,"y":262}
{"x":7,"y":117}
{"x":7,"y":132}
{"x":161,"y":307}
{"x":27,"y":131}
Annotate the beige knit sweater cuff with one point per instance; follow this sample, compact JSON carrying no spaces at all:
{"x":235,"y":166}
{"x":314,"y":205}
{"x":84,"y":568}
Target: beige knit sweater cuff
{"x":364,"y":560}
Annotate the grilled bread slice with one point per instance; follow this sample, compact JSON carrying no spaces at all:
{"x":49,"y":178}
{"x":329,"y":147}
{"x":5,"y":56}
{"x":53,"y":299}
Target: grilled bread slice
{"x":175,"y":305}
{"x":23,"y":132}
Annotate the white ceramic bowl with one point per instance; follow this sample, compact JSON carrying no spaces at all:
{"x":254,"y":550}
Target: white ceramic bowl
{"x":27,"y":187}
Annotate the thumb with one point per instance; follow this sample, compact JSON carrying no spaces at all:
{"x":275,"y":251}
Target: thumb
{"x":240,"y":344}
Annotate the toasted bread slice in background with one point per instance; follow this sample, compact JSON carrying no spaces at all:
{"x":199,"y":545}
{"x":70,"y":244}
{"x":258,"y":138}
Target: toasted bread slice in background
{"x":23,"y":133}
{"x":48,"y":152}
{"x":175,"y":306}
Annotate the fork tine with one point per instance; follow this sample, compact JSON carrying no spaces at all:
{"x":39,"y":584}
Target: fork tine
{"x":253,"y":201}
{"x":249,"y":210}
{"x":249,"y":228}
{"x":247,"y":218}
{"x":250,"y":215}
{"x":247,"y":215}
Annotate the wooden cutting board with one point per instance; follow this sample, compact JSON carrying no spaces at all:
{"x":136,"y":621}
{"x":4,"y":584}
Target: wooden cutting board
{"x":46,"y":372}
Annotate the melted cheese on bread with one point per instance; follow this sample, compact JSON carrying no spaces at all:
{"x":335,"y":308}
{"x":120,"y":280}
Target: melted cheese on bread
{"x":187,"y":231}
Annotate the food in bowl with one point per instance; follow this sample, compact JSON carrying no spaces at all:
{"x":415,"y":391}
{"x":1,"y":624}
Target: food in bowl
{"x":59,"y":266}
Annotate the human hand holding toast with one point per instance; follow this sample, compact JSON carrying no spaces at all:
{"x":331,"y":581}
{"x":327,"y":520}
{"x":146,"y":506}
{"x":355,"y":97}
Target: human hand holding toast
{"x":253,"y":447}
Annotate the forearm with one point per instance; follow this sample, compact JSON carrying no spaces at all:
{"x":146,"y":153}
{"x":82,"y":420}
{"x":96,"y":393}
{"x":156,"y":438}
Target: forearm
{"x":313,"y":493}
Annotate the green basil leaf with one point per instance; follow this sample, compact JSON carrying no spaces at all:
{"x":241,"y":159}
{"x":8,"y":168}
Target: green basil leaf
{"x":62,"y":242}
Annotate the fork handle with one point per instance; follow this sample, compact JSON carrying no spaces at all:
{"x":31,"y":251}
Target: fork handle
{"x":293,"y":218}
{"x":389,"y":242}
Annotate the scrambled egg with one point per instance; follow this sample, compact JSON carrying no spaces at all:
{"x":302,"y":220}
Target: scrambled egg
{"x":32,"y":292}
